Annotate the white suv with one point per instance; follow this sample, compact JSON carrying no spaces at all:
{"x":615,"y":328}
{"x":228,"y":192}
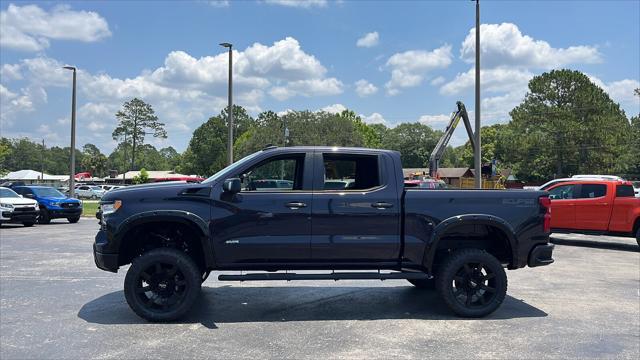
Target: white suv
{"x":16,"y":209}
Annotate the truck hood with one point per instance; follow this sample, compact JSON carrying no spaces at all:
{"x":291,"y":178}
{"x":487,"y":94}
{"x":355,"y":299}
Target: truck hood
{"x":152,"y":191}
{"x":18,"y":201}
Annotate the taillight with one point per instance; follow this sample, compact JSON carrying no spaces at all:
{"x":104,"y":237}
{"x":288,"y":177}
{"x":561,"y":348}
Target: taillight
{"x":545,"y":206}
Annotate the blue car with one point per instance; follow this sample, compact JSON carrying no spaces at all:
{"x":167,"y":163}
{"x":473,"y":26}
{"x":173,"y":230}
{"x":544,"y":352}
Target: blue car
{"x":53,"y":203}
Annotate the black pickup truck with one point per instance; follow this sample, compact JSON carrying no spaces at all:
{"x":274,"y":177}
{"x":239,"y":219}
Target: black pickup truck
{"x":318,"y":208}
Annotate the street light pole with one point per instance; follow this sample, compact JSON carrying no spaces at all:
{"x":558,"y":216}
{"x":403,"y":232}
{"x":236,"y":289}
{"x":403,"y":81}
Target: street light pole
{"x":230,"y":107}
{"x":72,"y":178}
{"x":477,"y":150}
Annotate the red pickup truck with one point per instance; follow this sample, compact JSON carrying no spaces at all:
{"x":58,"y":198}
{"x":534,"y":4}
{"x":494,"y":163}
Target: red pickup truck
{"x":595,"y":206}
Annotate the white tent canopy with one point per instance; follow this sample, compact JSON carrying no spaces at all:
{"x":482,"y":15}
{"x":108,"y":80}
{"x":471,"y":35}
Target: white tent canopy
{"x":31,"y":175}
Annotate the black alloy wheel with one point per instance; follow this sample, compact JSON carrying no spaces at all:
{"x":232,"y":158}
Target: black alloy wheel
{"x":472,"y":283}
{"x":162,"y":284}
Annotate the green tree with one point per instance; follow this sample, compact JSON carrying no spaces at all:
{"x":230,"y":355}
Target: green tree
{"x":136,"y":120}
{"x":142,"y":177}
{"x":565,"y":125}
{"x":415,"y":141}
{"x":93,"y":160}
{"x":171,"y":157}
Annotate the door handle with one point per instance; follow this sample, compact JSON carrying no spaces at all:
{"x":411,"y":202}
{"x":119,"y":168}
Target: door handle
{"x":381,"y":205}
{"x":295,"y":205}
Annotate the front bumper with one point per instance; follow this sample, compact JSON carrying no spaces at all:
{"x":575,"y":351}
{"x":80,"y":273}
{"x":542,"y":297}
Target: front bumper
{"x":541,"y":255}
{"x":65,"y":212}
{"x":19,"y":216}
{"x":104,"y":261}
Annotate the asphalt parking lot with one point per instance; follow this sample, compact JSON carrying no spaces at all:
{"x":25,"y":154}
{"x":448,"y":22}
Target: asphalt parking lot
{"x":56,"y":304}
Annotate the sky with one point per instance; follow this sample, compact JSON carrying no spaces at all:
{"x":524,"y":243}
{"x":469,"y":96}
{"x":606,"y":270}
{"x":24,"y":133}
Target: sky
{"x":389,"y":61}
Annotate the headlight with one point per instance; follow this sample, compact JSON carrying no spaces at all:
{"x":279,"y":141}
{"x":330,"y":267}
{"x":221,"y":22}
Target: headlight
{"x":55,"y":204}
{"x":6,"y":205}
{"x":110,"y":208}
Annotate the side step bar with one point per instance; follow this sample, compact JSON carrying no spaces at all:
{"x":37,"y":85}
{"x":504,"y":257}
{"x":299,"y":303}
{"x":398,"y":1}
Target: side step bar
{"x":332,"y":276}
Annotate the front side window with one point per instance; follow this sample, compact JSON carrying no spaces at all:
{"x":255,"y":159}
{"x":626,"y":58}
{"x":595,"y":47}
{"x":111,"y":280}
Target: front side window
{"x":350,"y":172}
{"x":562,"y":192}
{"x":624,"y":191}
{"x":280,"y":174}
{"x":590,"y":191}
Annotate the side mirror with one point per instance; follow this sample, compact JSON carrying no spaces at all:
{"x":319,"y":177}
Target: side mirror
{"x":232,"y":186}
{"x":21,"y":196}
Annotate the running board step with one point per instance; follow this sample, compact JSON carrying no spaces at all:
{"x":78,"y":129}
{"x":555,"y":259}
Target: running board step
{"x":331,"y":276}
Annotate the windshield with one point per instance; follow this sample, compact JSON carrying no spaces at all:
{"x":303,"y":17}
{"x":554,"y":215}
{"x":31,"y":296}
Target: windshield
{"x":47,"y":192}
{"x":236,"y":165}
{"x":8,"y":193}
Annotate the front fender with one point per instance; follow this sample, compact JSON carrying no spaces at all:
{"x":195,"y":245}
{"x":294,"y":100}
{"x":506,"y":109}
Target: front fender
{"x":469,"y":219}
{"x":183,"y":217}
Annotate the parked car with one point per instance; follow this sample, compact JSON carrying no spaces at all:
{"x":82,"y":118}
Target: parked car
{"x":16,"y":209}
{"x":53,"y":204}
{"x":636,"y":188}
{"x":89,"y":191}
{"x":606,"y":207}
{"x":549,"y":184}
{"x":459,"y":241}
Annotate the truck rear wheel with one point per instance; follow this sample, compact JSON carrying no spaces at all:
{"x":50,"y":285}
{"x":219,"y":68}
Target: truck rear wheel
{"x":472,"y":283}
{"x":162,"y":284}
{"x":429,"y":284}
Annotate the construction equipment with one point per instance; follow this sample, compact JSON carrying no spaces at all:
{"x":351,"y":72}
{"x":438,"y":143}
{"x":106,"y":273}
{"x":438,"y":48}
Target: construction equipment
{"x":441,"y":146}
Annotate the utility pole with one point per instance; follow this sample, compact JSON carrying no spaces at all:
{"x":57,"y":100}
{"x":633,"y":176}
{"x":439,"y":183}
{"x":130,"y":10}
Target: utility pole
{"x":124,"y":157}
{"x":230,"y":107}
{"x":477,"y":150}
{"x":72,"y":173}
{"x":42,"y":161}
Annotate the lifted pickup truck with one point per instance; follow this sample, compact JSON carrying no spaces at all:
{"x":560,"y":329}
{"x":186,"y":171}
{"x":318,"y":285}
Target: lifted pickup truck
{"x":458,"y":241}
{"x":604,"y":207}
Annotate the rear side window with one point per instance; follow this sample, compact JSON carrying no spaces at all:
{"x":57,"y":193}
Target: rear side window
{"x":590,"y":191}
{"x":624,"y":191}
{"x":350,"y":172}
{"x":562,"y":192}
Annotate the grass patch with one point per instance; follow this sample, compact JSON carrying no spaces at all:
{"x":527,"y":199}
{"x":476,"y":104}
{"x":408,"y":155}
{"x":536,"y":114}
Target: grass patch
{"x":89,"y":208}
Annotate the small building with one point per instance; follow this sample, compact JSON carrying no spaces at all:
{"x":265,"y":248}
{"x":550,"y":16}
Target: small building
{"x":454,"y":176}
{"x":36,"y":177}
{"x":154,"y":176}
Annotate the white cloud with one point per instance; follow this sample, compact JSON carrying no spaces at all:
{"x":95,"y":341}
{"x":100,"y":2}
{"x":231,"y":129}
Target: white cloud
{"x":298,"y":3}
{"x":374,"y":118}
{"x":621,"y":91}
{"x":437,"y":81}
{"x":368,"y":40}
{"x":334,"y":109}
{"x":491,"y":80}
{"x":365,"y":88}
{"x":307,"y":88}
{"x":29,"y":27}
{"x":409,"y":68}
{"x":436,"y":121}
{"x":10,"y":72}
{"x":504,"y":45}
{"x":219,"y":3}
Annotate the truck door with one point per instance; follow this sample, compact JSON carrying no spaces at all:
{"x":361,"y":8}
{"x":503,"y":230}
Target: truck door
{"x":593,"y":207}
{"x":563,"y":206}
{"x":269,"y":220}
{"x":356,"y":209}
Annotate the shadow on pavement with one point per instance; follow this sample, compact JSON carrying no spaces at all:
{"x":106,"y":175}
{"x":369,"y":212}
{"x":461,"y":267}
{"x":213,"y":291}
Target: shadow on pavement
{"x":239,"y":304}
{"x":597,"y":244}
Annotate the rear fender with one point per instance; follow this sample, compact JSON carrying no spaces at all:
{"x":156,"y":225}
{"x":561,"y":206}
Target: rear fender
{"x":470,"y":219}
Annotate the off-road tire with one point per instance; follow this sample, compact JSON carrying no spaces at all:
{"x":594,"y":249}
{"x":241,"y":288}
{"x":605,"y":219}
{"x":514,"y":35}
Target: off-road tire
{"x":454,"y":281}
{"x":427,"y":284}
{"x":28,"y":224}
{"x":186,"y":280}
{"x":44,"y":217}
{"x":73,"y":220}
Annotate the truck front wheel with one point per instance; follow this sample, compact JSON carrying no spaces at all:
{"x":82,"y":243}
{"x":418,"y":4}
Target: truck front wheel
{"x":472,"y":283}
{"x":162,"y":284}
